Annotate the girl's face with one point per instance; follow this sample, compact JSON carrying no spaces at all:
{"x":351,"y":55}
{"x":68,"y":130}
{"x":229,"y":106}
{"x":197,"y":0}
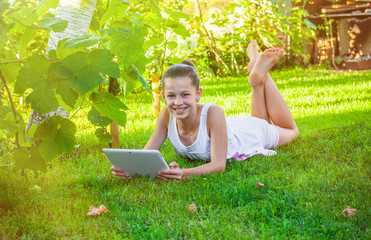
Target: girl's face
{"x":181,"y":96}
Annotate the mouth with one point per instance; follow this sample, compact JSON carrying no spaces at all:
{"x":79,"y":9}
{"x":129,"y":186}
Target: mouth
{"x":179,"y":110}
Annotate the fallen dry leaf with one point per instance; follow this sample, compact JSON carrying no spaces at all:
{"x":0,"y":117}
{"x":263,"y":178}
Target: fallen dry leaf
{"x":349,"y":212}
{"x":259,"y":185}
{"x":97,"y":211}
{"x":192,"y":208}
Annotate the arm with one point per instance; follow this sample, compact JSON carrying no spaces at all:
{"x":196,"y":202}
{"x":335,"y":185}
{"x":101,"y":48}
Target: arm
{"x":217,"y":130}
{"x":155,"y":142}
{"x":159,"y":135}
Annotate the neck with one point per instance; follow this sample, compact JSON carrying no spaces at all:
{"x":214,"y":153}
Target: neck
{"x":191,"y":123}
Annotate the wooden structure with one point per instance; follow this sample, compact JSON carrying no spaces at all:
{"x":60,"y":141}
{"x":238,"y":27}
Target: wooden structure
{"x":350,"y":36}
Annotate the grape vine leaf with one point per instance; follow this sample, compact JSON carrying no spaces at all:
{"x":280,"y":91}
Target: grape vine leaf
{"x":127,"y":44}
{"x":110,"y":106}
{"x":32,"y":159}
{"x":86,"y":69}
{"x":53,"y":23}
{"x":9,"y":71}
{"x":103,"y":136}
{"x":27,"y":35}
{"x":97,"y":119}
{"x":42,"y":98}
{"x":60,"y":75}
{"x":142,"y":80}
{"x":25,"y":16}
{"x":3,"y":32}
{"x":57,"y":135}
{"x":82,"y":41}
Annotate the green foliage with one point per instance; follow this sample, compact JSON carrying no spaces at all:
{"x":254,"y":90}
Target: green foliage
{"x":109,"y":106}
{"x":57,"y":135}
{"x":76,"y":72}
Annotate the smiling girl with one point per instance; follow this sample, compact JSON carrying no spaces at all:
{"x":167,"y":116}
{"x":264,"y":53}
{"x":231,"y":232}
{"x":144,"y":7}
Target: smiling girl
{"x":201,"y":131}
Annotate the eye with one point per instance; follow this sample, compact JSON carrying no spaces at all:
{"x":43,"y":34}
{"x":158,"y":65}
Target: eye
{"x":185,"y":94}
{"x":170,"y":96}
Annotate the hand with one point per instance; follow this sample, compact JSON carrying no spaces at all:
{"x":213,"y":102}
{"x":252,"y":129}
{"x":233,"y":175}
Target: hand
{"x":175,"y":173}
{"x":120,"y":173}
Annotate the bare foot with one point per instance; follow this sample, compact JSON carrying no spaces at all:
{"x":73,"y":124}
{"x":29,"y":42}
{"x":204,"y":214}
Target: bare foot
{"x":264,"y":63}
{"x":253,"y":54}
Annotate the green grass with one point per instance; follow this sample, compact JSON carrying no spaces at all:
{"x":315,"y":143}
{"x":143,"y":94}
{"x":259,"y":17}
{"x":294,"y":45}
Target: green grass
{"x":307,"y":184}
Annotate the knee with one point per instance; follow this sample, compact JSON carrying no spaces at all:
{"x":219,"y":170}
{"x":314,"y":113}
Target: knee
{"x":295,"y":133}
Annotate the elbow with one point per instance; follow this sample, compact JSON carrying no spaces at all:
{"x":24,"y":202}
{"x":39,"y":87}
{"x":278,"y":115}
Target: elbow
{"x":220,"y":168}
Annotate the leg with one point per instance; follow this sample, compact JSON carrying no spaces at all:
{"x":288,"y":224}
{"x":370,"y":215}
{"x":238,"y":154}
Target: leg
{"x":267,"y":102}
{"x":258,"y":106}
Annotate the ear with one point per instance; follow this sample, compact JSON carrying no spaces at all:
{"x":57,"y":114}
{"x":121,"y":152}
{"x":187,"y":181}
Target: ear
{"x":198,"y":94}
{"x":163,"y":96}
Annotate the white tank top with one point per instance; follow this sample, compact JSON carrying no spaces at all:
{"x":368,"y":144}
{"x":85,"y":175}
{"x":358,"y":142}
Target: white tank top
{"x":200,"y":149}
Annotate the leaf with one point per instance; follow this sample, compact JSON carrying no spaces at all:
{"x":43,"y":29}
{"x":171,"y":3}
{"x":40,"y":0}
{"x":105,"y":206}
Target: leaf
{"x":179,"y":28}
{"x":102,"y":60}
{"x":27,"y":35}
{"x":171,"y":45}
{"x":53,"y":23}
{"x":103,"y":136}
{"x":31,"y":74}
{"x":309,"y":23}
{"x":45,"y":5}
{"x":29,"y":159}
{"x":68,"y":95}
{"x":21,"y":158}
{"x":127,"y":44}
{"x":26,"y":16}
{"x":156,"y":9}
{"x":259,"y":185}
{"x":97,"y":119}
{"x":97,"y":211}
{"x":142,"y":80}
{"x":57,"y":135}
{"x":110,"y":106}
{"x":192,"y":208}
{"x":37,"y":161}
{"x":86,"y":69}
{"x":349,"y":212}
{"x":43,"y":98}
{"x":176,"y":15}
{"x":82,"y":41}
{"x":3,"y":33}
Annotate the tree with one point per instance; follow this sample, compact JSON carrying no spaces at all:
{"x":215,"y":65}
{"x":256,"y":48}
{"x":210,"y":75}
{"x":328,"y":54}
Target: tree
{"x":78,"y":14}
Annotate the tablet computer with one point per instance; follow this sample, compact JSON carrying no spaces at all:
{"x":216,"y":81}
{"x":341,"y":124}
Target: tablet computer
{"x":135,"y":161}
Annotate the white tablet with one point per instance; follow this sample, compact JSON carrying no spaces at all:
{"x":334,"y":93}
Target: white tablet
{"x":135,"y":161}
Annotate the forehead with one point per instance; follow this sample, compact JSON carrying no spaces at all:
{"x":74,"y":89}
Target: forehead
{"x":178,"y":82}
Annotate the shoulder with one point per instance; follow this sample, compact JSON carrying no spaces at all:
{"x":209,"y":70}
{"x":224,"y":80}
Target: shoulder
{"x":215,"y":115}
{"x":215,"y":111}
{"x":164,"y":116}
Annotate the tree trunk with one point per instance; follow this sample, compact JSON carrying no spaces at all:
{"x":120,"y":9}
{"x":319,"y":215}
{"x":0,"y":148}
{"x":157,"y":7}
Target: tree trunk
{"x":78,"y":13}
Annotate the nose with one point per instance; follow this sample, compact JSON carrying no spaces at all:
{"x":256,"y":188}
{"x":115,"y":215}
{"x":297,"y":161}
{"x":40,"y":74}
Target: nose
{"x":178,"y":100}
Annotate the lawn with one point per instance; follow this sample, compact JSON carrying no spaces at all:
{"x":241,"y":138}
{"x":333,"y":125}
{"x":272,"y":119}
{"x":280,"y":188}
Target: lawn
{"x":307,"y":184}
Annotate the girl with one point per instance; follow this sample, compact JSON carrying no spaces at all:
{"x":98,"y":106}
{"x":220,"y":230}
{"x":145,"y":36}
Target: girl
{"x":201,"y":131}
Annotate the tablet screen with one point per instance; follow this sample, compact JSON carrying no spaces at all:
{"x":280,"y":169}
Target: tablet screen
{"x":135,"y":161}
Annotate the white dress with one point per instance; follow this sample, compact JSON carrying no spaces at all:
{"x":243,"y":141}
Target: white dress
{"x":247,"y":136}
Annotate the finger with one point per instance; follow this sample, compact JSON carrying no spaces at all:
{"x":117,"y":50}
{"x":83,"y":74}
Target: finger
{"x":170,"y":176}
{"x":173,"y":165}
{"x":162,"y":178}
{"x":116,"y":169}
{"x":120,"y":174}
